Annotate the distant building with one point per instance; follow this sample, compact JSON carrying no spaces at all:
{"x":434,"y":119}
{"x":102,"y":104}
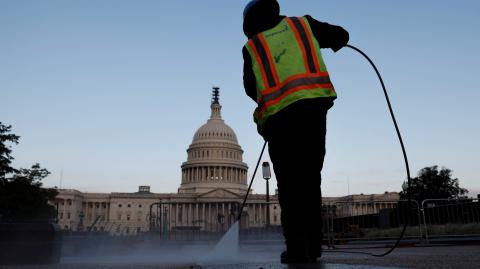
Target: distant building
{"x":213,"y":185}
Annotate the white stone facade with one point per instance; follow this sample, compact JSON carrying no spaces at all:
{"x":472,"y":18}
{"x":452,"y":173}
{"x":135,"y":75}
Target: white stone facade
{"x":213,"y":185}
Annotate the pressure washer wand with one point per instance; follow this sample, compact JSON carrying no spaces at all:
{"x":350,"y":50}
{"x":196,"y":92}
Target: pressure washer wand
{"x":251,"y":182}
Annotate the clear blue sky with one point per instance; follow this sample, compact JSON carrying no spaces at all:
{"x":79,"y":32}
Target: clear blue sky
{"x":111,"y":92}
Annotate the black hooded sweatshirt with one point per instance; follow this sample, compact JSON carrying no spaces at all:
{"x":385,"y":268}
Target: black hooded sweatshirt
{"x":265,"y":17}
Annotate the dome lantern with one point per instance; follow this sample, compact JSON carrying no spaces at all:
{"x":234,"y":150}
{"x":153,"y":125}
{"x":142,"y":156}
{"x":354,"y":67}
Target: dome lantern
{"x":215,"y":106}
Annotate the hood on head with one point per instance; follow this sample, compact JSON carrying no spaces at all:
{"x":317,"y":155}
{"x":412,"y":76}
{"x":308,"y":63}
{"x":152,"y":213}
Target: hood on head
{"x":261,"y":15}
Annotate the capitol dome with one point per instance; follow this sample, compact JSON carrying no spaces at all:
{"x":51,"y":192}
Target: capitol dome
{"x":215,"y":130}
{"x":215,"y":159}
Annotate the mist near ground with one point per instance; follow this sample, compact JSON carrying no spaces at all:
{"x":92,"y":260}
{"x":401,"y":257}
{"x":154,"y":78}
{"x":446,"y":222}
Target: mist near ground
{"x":132,"y":250}
{"x":184,"y":253}
{"x":143,"y":253}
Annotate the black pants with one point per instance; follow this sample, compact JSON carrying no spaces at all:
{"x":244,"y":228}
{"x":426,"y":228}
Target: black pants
{"x":296,"y":141}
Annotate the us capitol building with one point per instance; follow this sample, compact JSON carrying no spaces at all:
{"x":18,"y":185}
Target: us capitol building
{"x":213,"y":185}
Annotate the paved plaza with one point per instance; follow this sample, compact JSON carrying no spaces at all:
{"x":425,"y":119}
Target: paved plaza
{"x":265,"y":256}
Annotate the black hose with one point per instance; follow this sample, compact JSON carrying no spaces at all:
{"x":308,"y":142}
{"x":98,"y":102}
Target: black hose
{"x":404,"y":157}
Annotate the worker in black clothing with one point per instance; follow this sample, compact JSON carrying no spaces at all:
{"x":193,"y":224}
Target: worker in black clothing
{"x":285,"y":74}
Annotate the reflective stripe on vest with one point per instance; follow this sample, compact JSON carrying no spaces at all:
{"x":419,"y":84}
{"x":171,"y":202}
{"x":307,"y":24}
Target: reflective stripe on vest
{"x":302,"y":82}
{"x":300,"y":30}
{"x":268,"y":73}
{"x":295,"y":71}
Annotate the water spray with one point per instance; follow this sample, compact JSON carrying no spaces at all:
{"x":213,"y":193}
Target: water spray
{"x":251,"y":182}
{"x":226,"y":250}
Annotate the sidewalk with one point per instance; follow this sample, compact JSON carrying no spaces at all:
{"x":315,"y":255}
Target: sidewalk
{"x":458,"y":257}
{"x":267,"y":257}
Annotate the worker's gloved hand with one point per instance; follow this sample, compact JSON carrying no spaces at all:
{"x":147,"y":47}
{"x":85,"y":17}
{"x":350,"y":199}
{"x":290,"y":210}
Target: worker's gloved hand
{"x":341,"y":39}
{"x":337,"y":48}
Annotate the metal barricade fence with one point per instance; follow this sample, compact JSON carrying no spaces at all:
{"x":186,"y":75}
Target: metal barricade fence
{"x":347,"y":220}
{"x":168,"y":221}
{"x":450,"y":217}
{"x":342,"y":220}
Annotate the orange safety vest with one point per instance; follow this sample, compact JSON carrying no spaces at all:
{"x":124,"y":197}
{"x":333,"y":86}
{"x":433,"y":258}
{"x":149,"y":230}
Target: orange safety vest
{"x":288,"y":67}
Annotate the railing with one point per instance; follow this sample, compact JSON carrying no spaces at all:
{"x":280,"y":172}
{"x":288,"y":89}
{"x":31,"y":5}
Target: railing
{"x":370,"y":219}
{"x":188,"y":221}
{"x":450,"y":217}
{"x":432,"y":217}
{"x":342,"y":221}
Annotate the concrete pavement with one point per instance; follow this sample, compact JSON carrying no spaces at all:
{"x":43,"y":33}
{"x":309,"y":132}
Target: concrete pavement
{"x":260,"y":256}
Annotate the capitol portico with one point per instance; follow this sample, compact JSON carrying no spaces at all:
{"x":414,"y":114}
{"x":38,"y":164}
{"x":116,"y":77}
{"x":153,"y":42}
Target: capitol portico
{"x":213,"y":184}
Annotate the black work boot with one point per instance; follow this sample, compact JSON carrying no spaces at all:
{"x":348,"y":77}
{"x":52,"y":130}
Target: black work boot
{"x":289,"y":258}
{"x":296,"y":252}
{"x":314,"y":251}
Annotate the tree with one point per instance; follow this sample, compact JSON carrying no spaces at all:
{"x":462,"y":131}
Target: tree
{"x":21,"y":192}
{"x":5,"y":151}
{"x":434,"y":184}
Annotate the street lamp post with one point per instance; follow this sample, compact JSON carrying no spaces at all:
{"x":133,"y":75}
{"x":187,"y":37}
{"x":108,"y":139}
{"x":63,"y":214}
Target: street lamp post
{"x":165,"y":224}
{"x":56,"y":209}
{"x":155,"y":219}
{"x":267,"y":175}
{"x":80,"y":223}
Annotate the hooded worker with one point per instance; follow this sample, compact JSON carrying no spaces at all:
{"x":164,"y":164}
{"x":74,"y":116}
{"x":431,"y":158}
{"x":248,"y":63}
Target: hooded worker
{"x":285,"y":75}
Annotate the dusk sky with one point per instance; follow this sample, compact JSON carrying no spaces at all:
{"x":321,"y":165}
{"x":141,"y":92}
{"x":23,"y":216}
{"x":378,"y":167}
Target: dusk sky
{"x":109,"y":93}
